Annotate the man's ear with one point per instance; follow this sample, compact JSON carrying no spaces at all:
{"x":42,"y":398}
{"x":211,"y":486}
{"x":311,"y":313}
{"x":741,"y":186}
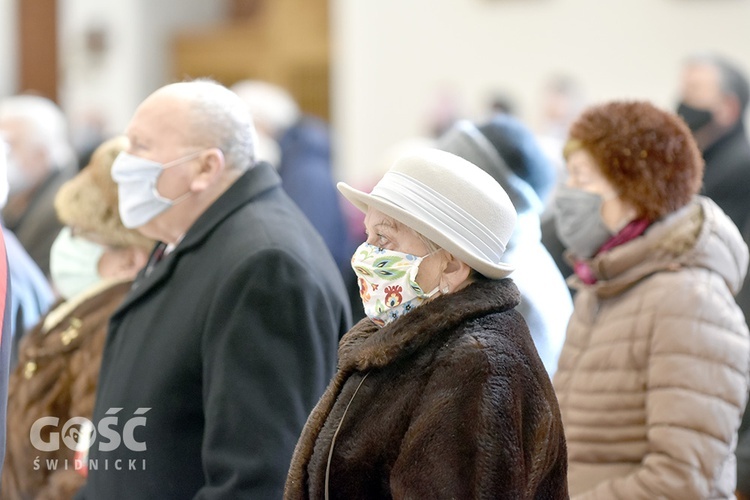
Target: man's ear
{"x":455,"y":273}
{"x":212,"y":164}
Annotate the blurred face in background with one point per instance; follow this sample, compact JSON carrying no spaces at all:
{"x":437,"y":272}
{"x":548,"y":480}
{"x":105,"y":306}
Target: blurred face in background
{"x":27,"y":160}
{"x":704,"y":106}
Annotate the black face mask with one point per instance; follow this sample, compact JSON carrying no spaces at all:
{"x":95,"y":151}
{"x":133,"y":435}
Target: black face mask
{"x":695,"y":118}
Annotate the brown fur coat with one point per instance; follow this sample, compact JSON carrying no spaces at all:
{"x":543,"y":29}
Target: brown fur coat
{"x":455,"y":404}
{"x":56,"y":376}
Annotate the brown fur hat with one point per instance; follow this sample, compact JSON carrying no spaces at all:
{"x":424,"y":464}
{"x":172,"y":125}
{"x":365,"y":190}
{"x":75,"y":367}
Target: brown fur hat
{"x":648,"y":154}
{"x":89,"y":203}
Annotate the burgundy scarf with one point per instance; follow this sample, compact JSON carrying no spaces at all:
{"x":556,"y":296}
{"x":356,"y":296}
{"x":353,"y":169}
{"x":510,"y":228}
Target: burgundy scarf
{"x":634,"y":229}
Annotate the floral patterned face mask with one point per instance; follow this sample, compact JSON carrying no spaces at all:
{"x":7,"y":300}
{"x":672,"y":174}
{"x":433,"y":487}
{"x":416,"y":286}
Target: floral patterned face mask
{"x":387,"y":282}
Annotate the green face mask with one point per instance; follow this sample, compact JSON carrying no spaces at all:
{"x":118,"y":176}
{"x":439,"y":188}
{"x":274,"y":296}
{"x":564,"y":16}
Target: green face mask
{"x":74,"y":263}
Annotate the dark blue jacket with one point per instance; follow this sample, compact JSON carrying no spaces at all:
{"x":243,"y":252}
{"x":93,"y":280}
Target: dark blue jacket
{"x":306,"y":176}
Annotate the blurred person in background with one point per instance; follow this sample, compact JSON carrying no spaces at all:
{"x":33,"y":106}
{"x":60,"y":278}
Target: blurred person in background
{"x":31,"y":294}
{"x":507,"y":150}
{"x":562,"y":101}
{"x":502,"y":102}
{"x":440,"y":392}
{"x":653,"y":376}
{"x":299,"y":145}
{"x":228,"y":337}
{"x":713,"y":102}
{"x":40,"y":158}
{"x":303,"y":159}
{"x":94,"y":261}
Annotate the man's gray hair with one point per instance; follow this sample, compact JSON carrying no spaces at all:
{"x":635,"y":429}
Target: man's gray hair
{"x":218,"y":118}
{"x":732,"y":80}
{"x":47,"y":126}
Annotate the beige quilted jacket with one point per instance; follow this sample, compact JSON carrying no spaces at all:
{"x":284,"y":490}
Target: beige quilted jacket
{"x":653,"y":375}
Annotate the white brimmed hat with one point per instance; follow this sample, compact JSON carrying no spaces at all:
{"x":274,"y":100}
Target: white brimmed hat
{"x":448,"y":200}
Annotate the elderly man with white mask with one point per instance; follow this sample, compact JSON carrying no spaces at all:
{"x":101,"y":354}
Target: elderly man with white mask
{"x":228,"y":337}
{"x":440,"y":392}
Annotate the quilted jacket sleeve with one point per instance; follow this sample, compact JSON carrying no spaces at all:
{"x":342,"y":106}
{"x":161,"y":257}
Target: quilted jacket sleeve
{"x":696,"y":390}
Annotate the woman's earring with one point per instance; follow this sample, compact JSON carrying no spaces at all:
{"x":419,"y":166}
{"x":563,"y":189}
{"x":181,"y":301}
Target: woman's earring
{"x":445,"y":289}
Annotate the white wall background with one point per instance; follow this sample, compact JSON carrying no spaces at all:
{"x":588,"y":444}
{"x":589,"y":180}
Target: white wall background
{"x":391,"y":57}
{"x":8,"y":47}
{"x":138,"y":56}
{"x":394,"y":55}
{"x":136,"y":62}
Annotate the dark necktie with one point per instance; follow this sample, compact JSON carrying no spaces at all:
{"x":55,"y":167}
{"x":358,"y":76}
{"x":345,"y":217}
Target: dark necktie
{"x":156,"y":257}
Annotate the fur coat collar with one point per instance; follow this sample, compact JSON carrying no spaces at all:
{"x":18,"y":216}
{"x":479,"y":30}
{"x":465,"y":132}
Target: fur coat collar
{"x":368,"y":346}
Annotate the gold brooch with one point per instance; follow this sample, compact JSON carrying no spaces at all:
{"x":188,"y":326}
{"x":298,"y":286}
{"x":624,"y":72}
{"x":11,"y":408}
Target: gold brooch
{"x":29,"y":369}
{"x":71,"y":332}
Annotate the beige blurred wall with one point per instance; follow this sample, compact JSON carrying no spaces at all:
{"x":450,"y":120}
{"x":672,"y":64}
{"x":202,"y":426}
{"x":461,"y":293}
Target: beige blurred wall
{"x":390,"y":58}
{"x":137,"y":58}
{"x":393,"y":55}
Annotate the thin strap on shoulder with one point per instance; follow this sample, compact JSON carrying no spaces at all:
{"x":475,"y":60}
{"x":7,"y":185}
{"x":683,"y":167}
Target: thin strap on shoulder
{"x":335,"y":434}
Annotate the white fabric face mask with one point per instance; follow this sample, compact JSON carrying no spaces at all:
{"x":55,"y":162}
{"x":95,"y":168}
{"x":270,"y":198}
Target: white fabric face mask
{"x":74,"y":263}
{"x":387,"y":282}
{"x":139,"y":200}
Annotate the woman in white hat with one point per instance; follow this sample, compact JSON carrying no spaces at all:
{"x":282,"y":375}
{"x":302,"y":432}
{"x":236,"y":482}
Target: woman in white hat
{"x":440,"y":392}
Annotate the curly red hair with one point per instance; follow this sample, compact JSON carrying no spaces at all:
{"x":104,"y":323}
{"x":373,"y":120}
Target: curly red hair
{"x":647,"y":154}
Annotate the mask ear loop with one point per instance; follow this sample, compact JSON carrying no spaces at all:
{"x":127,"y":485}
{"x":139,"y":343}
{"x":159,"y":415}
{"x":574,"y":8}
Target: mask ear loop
{"x":413,"y":278}
{"x":174,"y":163}
{"x":443,"y":289}
{"x":174,"y":202}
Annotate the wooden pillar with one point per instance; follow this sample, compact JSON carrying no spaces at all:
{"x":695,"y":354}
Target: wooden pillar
{"x":38,"y":47}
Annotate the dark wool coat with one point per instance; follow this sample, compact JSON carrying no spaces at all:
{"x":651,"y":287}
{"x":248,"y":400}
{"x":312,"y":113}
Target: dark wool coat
{"x":727,"y":175}
{"x":454,"y":402}
{"x":228,"y":343}
{"x":56,"y":377}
